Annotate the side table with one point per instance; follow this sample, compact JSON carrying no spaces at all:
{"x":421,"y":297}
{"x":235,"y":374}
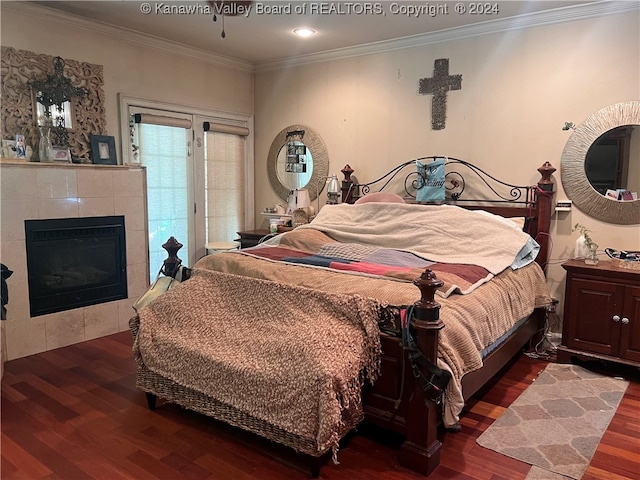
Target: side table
{"x":601,"y":313}
{"x":251,"y":238}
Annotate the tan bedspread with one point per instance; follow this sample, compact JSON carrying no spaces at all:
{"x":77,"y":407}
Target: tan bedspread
{"x":293,"y":357}
{"x":472,"y":322}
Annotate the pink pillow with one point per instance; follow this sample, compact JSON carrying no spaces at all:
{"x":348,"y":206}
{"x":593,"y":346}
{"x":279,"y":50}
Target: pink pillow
{"x":384,"y":197}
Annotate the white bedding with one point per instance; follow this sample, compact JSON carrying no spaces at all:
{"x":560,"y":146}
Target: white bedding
{"x":457,"y":236}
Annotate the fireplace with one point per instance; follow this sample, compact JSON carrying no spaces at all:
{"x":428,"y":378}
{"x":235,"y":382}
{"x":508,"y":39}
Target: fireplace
{"x":75,"y":262}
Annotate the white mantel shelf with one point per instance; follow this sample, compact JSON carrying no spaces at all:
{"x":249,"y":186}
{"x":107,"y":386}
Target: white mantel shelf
{"x":25,"y":163}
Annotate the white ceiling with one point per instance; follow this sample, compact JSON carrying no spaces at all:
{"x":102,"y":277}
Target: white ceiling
{"x":260,"y":38}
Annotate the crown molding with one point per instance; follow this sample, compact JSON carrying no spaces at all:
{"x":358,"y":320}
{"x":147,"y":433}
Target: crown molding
{"x":43,"y":13}
{"x":538,"y":19}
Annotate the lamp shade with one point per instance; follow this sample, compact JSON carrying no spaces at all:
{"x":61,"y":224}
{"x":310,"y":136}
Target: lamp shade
{"x":302,"y":198}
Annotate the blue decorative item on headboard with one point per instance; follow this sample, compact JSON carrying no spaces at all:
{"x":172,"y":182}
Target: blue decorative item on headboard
{"x":430,"y":186}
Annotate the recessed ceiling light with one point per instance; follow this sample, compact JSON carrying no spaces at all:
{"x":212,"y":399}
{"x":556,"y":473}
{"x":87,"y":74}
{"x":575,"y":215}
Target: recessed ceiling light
{"x":304,"y":32}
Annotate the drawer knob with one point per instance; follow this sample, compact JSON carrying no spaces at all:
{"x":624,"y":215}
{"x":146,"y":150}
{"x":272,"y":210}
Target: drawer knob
{"x":616,"y":318}
{"x":625,"y":320}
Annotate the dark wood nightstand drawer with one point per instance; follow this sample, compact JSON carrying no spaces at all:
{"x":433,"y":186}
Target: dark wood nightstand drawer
{"x":251,"y":238}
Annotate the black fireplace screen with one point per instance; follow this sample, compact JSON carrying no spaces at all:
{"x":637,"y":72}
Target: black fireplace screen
{"x":75,"y":262}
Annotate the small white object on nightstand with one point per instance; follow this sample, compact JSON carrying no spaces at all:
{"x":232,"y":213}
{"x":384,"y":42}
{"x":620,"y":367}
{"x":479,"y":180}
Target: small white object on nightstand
{"x":215,"y":247}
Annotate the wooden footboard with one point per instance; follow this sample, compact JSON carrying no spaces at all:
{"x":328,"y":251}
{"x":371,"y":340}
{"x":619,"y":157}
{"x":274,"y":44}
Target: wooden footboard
{"x":396,"y":401}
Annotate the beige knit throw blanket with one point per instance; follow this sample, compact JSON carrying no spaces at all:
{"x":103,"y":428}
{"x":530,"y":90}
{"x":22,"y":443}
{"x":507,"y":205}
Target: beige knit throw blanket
{"x":291,"y":356}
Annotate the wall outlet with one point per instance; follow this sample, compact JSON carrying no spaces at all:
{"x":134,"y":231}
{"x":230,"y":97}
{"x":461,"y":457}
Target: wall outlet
{"x":563,"y":206}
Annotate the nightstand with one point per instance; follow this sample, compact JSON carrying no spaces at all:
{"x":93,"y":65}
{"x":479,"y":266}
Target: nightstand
{"x":601,"y":313}
{"x":251,"y":238}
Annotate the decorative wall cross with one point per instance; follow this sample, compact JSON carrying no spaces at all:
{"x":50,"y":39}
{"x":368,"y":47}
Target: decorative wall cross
{"x":438,"y":86}
{"x":55,"y":91}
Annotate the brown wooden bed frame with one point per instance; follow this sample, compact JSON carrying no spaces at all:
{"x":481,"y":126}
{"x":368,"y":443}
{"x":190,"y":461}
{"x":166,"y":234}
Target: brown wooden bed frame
{"x":396,"y":402}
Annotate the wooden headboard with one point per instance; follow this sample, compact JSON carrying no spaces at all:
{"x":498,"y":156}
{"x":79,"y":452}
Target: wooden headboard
{"x":533,"y":202}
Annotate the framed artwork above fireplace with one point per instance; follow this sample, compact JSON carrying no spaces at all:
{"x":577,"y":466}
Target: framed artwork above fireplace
{"x":19,"y":105}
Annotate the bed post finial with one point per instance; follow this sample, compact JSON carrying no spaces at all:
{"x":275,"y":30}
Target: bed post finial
{"x":347,"y":184}
{"x":347,"y":171}
{"x":546,"y":170}
{"x":427,"y":308}
{"x":172,"y":261}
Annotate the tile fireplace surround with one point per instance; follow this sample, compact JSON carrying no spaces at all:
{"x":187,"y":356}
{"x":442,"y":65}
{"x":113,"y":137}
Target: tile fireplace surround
{"x":44,"y":191}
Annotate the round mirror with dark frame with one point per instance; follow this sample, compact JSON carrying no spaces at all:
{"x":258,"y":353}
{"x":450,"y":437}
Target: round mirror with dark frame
{"x":298,"y":159}
{"x":600,"y":166}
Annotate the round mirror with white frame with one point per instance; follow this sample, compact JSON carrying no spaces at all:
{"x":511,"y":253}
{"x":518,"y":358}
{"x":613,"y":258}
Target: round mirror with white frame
{"x":298,"y":159}
{"x":580,"y":181}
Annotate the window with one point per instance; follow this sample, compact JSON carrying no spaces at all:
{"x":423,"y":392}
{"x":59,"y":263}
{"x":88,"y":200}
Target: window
{"x":163,"y":151}
{"x":224,"y":186}
{"x":199,"y":168}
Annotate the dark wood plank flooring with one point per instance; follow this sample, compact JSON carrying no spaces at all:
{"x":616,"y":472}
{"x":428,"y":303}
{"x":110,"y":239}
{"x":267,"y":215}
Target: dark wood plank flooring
{"x":74,"y":413}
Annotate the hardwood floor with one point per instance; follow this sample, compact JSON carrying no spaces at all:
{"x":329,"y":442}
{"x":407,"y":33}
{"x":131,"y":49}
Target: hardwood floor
{"x":74,"y":413}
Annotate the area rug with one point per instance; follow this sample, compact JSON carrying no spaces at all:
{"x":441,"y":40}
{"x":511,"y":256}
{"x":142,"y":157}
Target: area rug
{"x":556,"y":424}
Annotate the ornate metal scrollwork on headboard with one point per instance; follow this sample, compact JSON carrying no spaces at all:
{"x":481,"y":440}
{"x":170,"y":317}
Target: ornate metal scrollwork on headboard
{"x":455,"y":182}
{"x":534,"y":202}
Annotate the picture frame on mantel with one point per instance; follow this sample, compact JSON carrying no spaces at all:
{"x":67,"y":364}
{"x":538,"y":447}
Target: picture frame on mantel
{"x":61,"y":154}
{"x":103,"y":150}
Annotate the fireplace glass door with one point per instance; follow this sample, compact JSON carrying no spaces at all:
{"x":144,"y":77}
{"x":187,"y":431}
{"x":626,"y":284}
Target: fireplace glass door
{"x":75,"y":262}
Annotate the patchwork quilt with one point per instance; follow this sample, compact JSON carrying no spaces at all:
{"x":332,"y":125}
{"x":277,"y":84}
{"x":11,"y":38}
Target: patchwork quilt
{"x":377,"y":261}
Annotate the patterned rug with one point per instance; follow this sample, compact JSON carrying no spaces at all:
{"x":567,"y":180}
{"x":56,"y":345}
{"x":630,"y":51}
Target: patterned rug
{"x":558,"y":421}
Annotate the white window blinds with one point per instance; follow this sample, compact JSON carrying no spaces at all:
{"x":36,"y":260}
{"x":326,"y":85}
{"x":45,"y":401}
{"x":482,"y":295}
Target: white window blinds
{"x":163,"y":151}
{"x":224,"y":184}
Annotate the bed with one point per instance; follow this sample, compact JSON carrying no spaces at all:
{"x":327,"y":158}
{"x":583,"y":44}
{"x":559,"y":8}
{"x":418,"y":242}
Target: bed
{"x":357,"y":315}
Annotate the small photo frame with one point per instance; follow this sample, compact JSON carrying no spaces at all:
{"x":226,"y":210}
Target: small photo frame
{"x":9,"y":149}
{"x":21,"y":148}
{"x":612,"y":194}
{"x":626,"y":196}
{"x":103,"y":150}
{"x":61,"y":154}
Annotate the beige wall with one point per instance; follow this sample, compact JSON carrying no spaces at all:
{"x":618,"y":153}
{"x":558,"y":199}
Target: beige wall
{"x":518,"y":89}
